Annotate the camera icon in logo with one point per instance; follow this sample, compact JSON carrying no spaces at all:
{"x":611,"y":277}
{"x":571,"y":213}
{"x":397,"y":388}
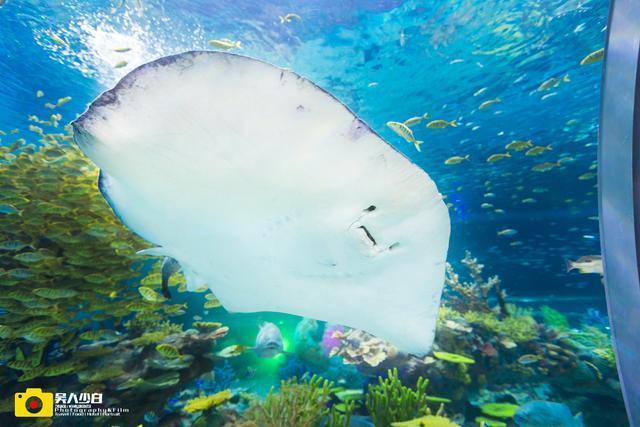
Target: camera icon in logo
{"x":33,"y":403}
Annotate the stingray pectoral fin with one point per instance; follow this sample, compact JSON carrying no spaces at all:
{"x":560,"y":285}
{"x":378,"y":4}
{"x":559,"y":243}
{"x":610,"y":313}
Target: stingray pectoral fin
{"x":255,"y":178}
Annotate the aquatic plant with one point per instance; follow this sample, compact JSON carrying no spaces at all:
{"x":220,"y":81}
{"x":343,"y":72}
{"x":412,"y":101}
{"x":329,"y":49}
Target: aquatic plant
{"x":554,"y":319}
{"x":390,"y":401}
{"x":204,"y":403}
{"x":296,"y":404}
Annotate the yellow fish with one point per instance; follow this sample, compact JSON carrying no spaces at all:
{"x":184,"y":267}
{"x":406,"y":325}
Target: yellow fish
{"x":553,"y":82}
{"x":593,"y":57}
{"x":499,"y":156}
{"x":168,"y":351}
{"x":456,"y":160}
{"x":149,"y":294}
{"x":441,"y":124}
{"x":535,"y":151}
{"x":519,"y":145}
{"x":489,"y":103}
{"x":403,"y":130}
{"x":544,"y":167}
{"x":231,"y":351}
{"x":415,"y":120}
{"x":63,"y":101}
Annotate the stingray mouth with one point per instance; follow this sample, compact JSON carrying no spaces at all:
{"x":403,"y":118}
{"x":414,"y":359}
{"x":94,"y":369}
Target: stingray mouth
{"x":365,"y":233}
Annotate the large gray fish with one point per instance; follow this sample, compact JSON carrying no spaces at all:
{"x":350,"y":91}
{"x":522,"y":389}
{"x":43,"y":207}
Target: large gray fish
{"x":586,"y":264}
{"x":540,"y":413}
{"x":268,"y":341}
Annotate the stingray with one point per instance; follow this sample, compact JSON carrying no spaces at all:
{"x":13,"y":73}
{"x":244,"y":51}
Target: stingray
{"x":269,"y":190}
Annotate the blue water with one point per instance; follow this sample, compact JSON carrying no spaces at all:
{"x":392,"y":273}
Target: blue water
{"x":387,"y":60}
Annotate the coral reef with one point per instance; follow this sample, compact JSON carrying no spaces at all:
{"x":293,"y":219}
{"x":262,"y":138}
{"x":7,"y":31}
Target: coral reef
{"x":296,"y":404}
{"x":390,"y":401}
{"x":72,"y":318}
{"x":474,"y":296}
{"x":80,"y":311}
{"x":553,"y":318}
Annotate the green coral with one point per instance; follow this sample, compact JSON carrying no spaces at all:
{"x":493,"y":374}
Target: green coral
{"x":596,"y":341}
{"x":296,"y":404}
{"x":500,"y":410}
{"x":518,"y":328}
{"x":340,"y":414}
{"x":389,"y":401}
{"x":554,"y":319}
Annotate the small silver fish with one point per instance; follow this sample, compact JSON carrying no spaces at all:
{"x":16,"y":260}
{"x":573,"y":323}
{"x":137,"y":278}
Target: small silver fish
{"x":507,"y":232}
{"x":289,"y":17}
{"x":586,"y":264}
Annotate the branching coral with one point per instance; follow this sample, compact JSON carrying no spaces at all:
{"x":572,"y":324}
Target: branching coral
{"x":360,"y":347}
{"x":296,"y":404}
{"x":389,"y":401}
{"x":474,"y":296}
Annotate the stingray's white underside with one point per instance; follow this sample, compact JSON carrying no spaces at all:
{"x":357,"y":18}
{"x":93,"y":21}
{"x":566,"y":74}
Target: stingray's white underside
{"x":261,"y":185}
